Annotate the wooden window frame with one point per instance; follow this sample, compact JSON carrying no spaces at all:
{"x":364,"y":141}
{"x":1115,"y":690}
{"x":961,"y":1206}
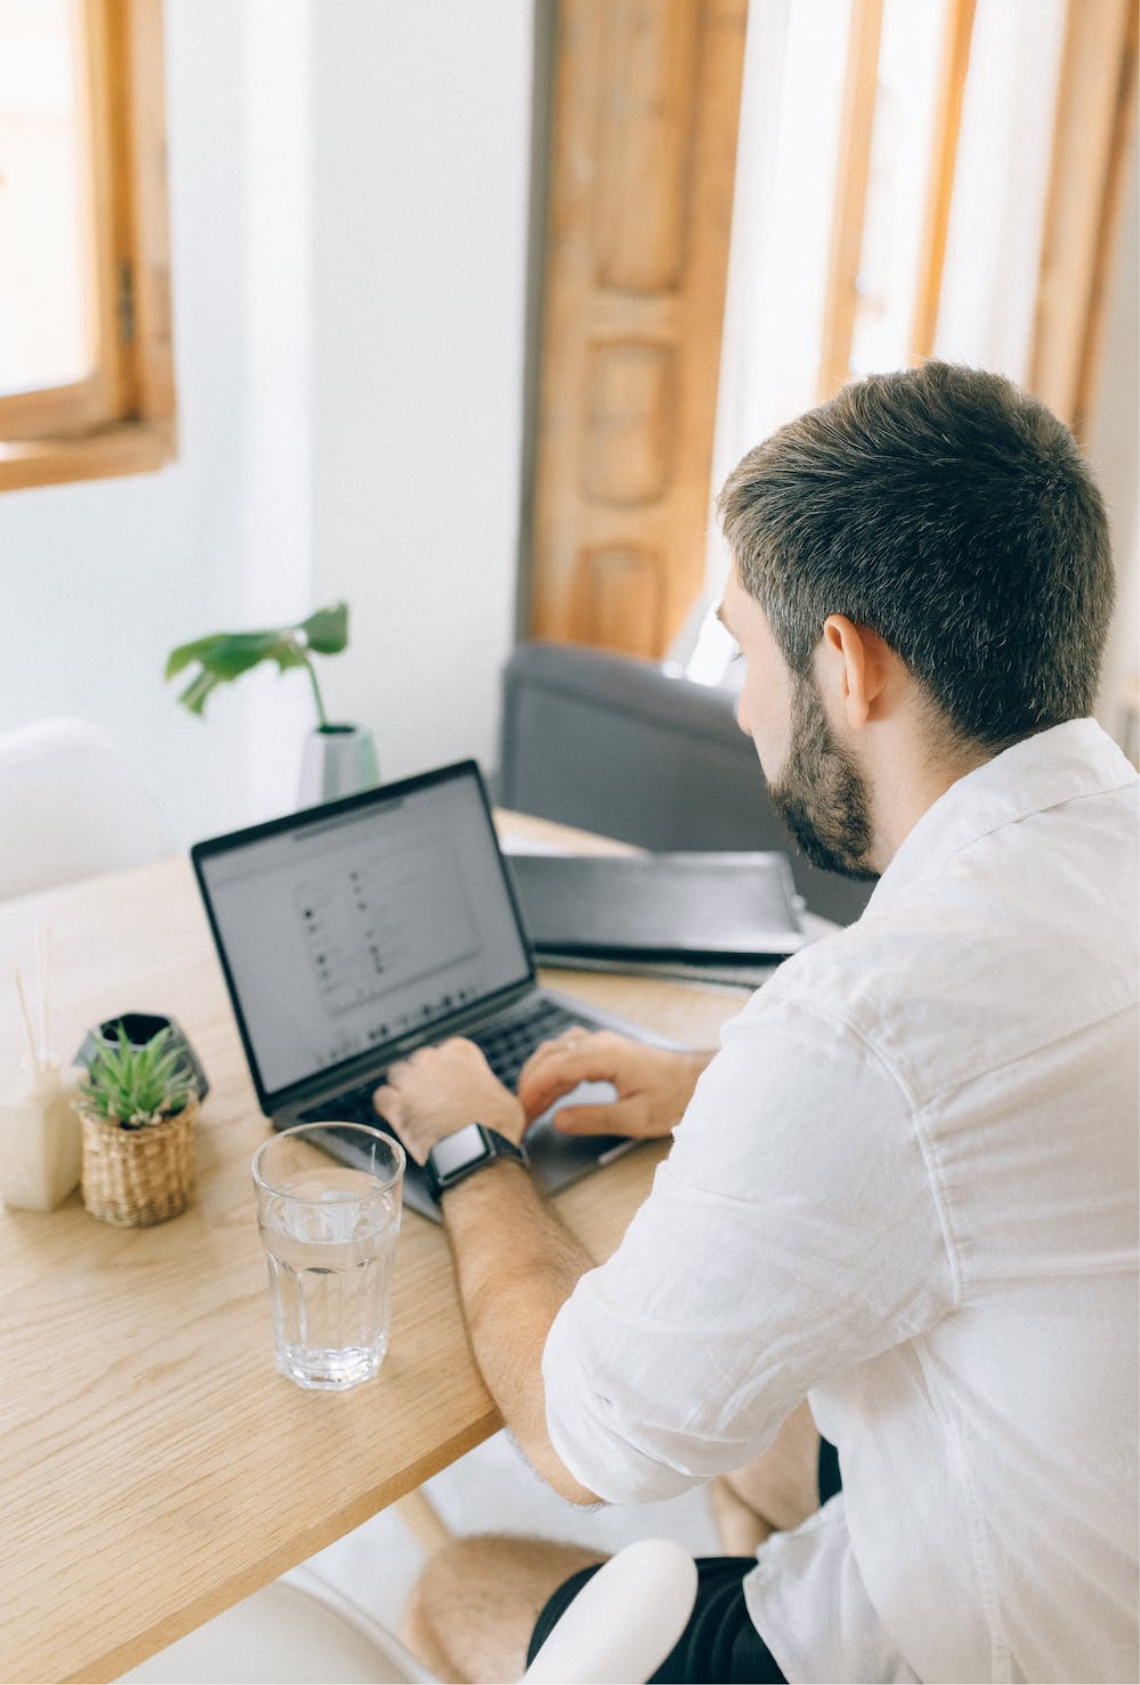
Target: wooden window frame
{"x":855,"y":128}
{"x":1096,"y":111}
{"x":940,"y":186}
{"x":121,"y":418}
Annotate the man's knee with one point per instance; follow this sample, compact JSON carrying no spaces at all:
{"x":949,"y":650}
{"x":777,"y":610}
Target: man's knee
{"x":449,"y":1577}
{"x":478,"y":1599}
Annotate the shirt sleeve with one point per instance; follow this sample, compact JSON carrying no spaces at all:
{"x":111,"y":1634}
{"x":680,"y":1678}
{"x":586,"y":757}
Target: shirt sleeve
{"x":792,"y":1233}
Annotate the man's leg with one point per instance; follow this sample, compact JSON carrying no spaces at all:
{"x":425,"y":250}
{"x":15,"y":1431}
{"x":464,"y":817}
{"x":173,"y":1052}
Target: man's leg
{"x":774,"y":1493}
{"x":474,"y":1607}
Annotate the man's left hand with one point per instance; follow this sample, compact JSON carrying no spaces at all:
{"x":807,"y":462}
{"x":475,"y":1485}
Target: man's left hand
{"x":441,"y":1089}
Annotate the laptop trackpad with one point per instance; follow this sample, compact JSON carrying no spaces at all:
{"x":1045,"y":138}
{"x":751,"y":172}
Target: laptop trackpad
{"x":557,"y":1158}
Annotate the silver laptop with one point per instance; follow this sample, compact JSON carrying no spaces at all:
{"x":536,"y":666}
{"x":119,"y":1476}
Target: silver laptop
{"x":353,"y":933}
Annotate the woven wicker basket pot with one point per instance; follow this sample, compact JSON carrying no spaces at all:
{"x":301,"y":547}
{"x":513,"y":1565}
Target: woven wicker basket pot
{"x":137,"y":1177}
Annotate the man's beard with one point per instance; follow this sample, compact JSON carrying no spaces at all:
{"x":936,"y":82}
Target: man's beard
{"x":820,"y":794}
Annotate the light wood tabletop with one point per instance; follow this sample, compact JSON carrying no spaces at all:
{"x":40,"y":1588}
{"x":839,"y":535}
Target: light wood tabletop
{"x":155,"y":1467}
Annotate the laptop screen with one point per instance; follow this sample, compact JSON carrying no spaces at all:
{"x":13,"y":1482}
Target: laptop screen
{"x":348,"y":927}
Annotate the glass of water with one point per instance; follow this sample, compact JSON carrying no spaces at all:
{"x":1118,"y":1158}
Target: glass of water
{"x":329,"y":1231}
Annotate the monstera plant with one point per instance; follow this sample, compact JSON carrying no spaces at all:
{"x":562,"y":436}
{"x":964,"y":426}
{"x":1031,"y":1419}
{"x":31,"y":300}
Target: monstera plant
{"x":339,"y":759}
{"x":225,"y":656}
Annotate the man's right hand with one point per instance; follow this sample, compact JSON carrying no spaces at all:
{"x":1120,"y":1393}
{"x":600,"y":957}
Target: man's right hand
{"x":654,"y":1084}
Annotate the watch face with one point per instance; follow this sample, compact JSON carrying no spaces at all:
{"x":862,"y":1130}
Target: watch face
{"x":456,"y":1152}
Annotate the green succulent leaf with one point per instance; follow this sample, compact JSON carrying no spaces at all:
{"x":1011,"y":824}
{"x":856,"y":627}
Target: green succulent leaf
{"x":137,"y":1086}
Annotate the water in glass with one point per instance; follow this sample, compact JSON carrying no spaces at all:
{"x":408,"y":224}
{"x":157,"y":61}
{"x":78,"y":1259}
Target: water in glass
{"x":330,"y":1234}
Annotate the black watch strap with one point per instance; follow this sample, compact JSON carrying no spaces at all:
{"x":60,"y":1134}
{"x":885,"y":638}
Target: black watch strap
{"x":460,"y":1155}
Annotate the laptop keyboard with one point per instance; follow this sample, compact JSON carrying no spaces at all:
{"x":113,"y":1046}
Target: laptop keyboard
{"x":506,"y":1046}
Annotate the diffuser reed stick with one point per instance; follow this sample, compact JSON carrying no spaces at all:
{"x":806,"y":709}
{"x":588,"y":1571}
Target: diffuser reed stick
{"x":35,"y":1049}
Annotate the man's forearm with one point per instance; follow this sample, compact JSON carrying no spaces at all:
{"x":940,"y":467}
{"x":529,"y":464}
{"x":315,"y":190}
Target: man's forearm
{"x":516,"y":1264}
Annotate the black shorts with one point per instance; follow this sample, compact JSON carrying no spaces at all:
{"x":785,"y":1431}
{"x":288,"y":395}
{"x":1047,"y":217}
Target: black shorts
{"x":720,"y":1642}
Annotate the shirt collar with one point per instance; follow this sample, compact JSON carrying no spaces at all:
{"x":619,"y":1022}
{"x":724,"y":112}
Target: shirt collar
{"x":1059,"y":765}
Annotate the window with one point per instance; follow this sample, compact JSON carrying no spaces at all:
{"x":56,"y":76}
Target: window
{"x":922,"y":177}
{"x":918,"y":177}
{"x":86,"y":379}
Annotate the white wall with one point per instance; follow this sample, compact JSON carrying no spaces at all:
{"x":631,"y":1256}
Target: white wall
{"x":421,"y":147}
{"x":98,"y":581}
{"x":349,"y":228}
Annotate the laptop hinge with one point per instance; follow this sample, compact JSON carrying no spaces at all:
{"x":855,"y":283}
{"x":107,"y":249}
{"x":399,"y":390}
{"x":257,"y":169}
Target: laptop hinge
{"x":325,"y":1084}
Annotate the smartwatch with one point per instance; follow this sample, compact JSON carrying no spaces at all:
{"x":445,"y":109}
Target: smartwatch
{"x":458,"y":1156}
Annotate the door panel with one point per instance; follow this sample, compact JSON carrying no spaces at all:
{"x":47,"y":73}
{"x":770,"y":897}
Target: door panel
{"x":646,"y":105}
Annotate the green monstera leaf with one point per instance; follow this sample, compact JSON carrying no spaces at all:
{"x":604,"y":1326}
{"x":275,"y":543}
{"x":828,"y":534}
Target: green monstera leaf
{"x":326,"y":631}
{"x":225,"y":656}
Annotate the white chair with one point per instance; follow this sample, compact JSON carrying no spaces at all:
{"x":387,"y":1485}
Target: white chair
{"x":621,"y":1626}
{"x":71,"y":806}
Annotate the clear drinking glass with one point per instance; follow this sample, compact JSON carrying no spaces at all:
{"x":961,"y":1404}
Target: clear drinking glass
{"x":329,"y":1231}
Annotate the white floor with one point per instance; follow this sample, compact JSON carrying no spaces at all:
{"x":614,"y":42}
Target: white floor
{"x":494,"y":1490}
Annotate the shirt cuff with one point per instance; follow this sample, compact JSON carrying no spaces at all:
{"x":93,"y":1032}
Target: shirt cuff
{"x":585,"y":1431}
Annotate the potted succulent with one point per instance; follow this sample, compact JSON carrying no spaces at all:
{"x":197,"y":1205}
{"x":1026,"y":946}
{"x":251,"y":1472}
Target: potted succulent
{"x":138,"y":1105}
{"x":339,"y":759}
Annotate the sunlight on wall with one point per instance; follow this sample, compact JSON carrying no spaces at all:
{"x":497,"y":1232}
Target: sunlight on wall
{"x":997,"y":215}
{"x":901,"y":137}
{"x":793,"y":93}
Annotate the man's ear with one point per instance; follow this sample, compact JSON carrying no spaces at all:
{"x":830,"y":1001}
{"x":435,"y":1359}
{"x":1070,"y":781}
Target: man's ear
{"x":855,"y":662}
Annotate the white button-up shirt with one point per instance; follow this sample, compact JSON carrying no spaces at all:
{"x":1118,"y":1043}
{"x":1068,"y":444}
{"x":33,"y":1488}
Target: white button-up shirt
{"x":906,"y":1188}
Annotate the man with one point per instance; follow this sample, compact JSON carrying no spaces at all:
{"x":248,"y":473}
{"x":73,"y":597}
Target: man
{"x":904,"y":1190}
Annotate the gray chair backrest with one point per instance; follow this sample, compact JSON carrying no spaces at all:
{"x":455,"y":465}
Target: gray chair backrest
{"x":634,"y":751}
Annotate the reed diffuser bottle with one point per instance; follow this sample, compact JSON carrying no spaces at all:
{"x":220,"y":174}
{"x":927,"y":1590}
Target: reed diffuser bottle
{"x":40,"y":1141}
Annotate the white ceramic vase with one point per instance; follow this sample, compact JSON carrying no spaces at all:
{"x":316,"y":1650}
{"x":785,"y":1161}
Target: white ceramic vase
{"x":339,"y":760}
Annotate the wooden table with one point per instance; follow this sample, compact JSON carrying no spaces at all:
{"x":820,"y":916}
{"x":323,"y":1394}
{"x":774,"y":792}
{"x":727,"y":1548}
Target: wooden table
{"x":155,"y":1467}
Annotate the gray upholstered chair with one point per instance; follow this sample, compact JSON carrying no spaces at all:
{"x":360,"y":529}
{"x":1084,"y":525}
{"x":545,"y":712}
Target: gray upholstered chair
{"x":636,"y":750}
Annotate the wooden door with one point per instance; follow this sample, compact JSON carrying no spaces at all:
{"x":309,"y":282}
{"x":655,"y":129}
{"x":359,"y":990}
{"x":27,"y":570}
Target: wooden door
{"x":643,"y":150}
